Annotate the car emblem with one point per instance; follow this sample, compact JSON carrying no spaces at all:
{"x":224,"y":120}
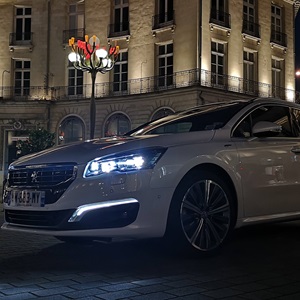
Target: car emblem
{"x":34,"y":177}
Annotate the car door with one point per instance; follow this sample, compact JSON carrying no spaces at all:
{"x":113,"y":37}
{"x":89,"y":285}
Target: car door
{"x":269,"y":165}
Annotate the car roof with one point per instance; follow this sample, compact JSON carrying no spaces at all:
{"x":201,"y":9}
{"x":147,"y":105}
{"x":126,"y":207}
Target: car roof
{"x":200,"y":108}
{"x":252,"y":100}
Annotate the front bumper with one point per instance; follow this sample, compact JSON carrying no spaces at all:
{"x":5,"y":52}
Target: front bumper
{"x":112,"y":215}
{"x":109,"y":214}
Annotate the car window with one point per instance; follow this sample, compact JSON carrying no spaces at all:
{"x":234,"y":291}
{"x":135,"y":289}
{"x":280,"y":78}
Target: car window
{"x":243,"y":130}
{"x":276,"y":114}
{"x":193,"y":123}
{"x":209,"y":118}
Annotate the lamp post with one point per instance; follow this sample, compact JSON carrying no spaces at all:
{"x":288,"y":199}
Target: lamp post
{"x":87,"y":56}
{"x":4,"y":71}
{"x":297,"y":86}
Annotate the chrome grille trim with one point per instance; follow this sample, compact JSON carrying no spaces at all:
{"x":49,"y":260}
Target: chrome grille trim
{"x":49,"y":175}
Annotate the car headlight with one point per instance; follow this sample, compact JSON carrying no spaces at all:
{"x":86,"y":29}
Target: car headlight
{"x":124,"y":162}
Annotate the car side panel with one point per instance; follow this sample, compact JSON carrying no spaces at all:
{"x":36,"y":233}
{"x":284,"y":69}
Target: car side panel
{"x":270,"y":175}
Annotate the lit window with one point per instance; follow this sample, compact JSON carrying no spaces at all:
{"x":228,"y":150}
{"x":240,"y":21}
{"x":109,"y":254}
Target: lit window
{"x":218,"y":64}
{"x":278,"y":78}
{"x":117,"y":124}
{"x":121,"y":73}
{"x":71,"y":129}
{"x":165,"y":65}
{"x":22,"y":77}
{"x":250,"y":65}
{"x":75,"y":81}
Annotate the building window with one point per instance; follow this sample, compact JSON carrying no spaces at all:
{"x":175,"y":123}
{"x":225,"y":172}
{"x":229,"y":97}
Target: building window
{"x":218,"y":13}
{"x":121,"y":73}
{"x":250,"y":84}
{"x":165,"y":10}
{"x":277,"y":35}
{"x":218,"y":5}
{"x":162,"y":112}
{"x":249,"y":11}
{"x":70,"y":130}
{"x":249,"y":18}
{"x":76,"y":16}
{"x":76,"y":21}
{"x":116,"y":125}
{"x":121,"y":15}
{"x":23,"y":24}
{"x":277,"y":77}
{"x":217,"y":63}
{"x":22,"y":77}
{"x":165,"y":65}
{"x":276,"y":18}
{"x":75,"y":81}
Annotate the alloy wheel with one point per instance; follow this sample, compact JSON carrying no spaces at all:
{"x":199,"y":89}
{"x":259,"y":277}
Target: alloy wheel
{"x":205,"y":215}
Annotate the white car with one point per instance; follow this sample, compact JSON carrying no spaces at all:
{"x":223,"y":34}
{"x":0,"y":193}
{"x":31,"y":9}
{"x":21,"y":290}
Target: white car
{"x":191,"y":177}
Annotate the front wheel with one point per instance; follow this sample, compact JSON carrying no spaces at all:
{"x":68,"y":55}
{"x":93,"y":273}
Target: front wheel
{"x":202,"y":213}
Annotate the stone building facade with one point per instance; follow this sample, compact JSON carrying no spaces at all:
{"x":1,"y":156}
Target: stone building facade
{"x":173,"y":55}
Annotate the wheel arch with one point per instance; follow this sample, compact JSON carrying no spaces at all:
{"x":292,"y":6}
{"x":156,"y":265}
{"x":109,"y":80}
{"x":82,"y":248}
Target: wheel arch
{"x":212,"y":168}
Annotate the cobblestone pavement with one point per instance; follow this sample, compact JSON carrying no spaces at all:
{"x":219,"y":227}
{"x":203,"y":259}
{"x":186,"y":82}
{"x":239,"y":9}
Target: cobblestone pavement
{"x":258,"y":263}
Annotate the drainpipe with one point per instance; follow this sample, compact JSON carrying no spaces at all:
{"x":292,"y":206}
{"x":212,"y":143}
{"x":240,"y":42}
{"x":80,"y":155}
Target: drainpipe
{"x":199,"y":47}
{"x":199,"y":36}
{"x":48,"y":46}
{"x":48,"y":61}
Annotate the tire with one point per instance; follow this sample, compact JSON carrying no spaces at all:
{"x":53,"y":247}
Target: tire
{"x":202,"y":213}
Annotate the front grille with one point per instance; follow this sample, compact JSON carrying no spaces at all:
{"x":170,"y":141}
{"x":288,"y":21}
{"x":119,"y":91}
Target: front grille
{"x":41,"y":175}
{"x":53,"y":179}
{"x":41,"y":219}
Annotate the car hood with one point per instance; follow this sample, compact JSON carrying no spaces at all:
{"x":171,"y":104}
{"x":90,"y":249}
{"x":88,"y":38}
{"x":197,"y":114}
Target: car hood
{"x":82,"y":152}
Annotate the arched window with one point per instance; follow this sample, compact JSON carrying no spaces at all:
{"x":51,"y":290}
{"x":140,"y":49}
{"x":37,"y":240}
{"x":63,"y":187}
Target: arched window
{"x":70,"y":130}
{"x":163,"y":112}
{"x":117,"y":124}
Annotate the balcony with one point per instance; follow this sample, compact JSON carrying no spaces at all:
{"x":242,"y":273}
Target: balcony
{"x":251,"y":30}
{"x":278,"y":38}
{"x":78,"y":34}
{"x":118,"y":31}
{"x":220,"y":19}
{"x":164,"y":21}
{"x":20,"y":40}
{"x":183,"y":79}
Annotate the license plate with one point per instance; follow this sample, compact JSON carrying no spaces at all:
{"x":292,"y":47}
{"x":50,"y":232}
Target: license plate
{"x":25,"y":198}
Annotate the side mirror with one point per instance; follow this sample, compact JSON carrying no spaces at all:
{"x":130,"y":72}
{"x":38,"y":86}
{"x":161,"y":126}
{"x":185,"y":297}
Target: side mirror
{"x":265,"y":128}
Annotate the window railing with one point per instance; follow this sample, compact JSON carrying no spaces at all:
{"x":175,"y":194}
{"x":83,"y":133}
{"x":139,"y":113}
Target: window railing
{"x":118,"y":29}
{"x":251,"y":28}
{"x":219,"y":17}
{"x":163,"y":20}
{"x":76,"y":33}
{"x":20,"y":38}
{"x":278,"y":38}
{"x":188,"y":78}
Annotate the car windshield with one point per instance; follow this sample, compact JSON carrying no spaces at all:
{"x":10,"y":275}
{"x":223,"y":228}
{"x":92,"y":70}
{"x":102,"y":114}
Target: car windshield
{"x":206,"y":117}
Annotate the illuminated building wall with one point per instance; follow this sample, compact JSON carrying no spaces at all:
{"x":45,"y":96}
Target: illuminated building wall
{"x":174,"y":54}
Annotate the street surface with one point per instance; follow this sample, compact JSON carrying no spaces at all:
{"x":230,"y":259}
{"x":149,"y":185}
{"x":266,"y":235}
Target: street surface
{"x":261,"y":262}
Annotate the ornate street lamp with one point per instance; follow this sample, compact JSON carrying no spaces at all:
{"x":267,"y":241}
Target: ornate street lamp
{"x":87,"y":56}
